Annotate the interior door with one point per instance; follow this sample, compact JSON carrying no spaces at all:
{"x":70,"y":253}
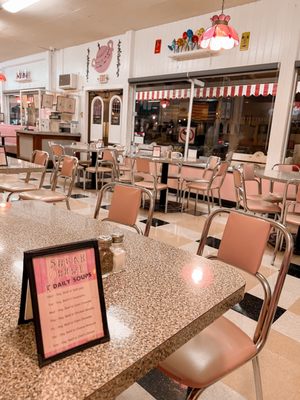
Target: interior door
{"x":97,"y":114}
{"x":115,"y":119}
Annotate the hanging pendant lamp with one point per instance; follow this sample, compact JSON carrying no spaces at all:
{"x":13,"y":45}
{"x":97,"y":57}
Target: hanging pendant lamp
{"x":2,"y":77}
{"x":220,"y":35}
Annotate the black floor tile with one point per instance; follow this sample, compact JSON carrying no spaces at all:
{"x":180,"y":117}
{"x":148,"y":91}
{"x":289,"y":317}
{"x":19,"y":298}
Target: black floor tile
{"x":212,"y":242}
{"x":106,"y":207}
{"x":156,"y":222}
{"x":250,"y":307}
{"x":31,"y":179}
{"x":49,"y":187}
{"x":294,"y":270}
{"x":78,"y":196}
{"x":161,"y":387}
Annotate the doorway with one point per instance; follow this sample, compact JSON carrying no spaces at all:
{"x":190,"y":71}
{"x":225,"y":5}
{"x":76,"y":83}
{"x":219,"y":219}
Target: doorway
{"x":105,"y":116}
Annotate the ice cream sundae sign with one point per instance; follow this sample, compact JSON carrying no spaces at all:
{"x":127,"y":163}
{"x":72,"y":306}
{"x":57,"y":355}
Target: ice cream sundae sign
{"x":103,"y":57}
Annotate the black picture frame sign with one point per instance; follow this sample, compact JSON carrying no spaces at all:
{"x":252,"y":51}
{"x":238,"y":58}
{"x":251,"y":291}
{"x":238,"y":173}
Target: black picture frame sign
{"x":3,"y":158}
{"x":62,"y":292}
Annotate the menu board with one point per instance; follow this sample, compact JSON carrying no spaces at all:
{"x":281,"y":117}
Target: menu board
{"x":66,"y":296}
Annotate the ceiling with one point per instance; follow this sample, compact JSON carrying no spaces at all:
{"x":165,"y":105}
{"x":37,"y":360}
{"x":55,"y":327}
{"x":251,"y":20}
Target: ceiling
{"x":62,"y":23}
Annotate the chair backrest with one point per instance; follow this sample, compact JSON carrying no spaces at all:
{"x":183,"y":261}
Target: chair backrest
{"x":66,"y":168}
{"x":212,"y":162}
{"x":41,"y":158}
{"x":248,"y":171}
{"x":286,"y":167}
{"x":219,"y":174}
{"x":242,"y":245}
{"x":125,"y":205}
{"x":142,"y":165}
{"x":239,"y":188}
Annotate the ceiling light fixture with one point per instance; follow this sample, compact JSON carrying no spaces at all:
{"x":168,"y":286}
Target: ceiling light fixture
{"x":220,"y":35}
{"x":14,"y":6}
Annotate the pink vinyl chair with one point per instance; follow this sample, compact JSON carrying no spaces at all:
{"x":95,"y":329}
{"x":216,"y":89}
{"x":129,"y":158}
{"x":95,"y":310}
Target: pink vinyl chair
{"x":208,"y":186}
{"x":150,"y":179}
{"x":223,"y":346}
{"x":125,"y":204}
{"x":13,"y":187}
{"x":252,"y":203}
{"x":66,"y":169}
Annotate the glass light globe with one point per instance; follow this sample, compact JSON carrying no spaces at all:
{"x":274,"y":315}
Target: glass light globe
{"x":204,"y":44}
{"x":227,"y":42}
{"x":215,"y":43}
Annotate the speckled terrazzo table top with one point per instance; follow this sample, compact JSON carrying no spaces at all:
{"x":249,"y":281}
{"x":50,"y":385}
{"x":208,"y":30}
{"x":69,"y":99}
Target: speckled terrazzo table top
{"x":16,"y":166}
{"x":163,"y":298}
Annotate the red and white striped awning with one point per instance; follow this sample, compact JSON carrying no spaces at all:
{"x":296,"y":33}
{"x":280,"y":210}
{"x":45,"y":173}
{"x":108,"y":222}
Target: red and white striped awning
{"x":260,"y":89}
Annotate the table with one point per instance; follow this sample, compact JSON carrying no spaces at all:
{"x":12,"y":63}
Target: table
{"x":153,"y":307}
{"x":17,"y":166}
{"x":27,"y":141}
{"x":283,"y":177}
{"x":172,"y":205}
{"x":277,"y":176}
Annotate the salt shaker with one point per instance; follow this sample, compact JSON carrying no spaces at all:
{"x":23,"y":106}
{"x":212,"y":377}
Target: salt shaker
{"x":119,"y":252}
{"x":106,"y":255}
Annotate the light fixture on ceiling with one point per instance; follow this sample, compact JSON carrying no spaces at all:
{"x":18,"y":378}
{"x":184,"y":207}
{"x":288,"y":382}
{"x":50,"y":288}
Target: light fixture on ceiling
{"x":14,"y":6}
{"x":220,"y":35}
{"x":2,"y":77}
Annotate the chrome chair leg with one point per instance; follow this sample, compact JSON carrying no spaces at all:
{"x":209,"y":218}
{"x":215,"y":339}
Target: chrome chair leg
{"x":193,"y":394}
{"x":257,"y":378}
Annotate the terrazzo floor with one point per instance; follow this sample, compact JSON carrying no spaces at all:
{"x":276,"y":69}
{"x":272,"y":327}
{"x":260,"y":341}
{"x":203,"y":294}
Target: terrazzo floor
{"x":280,"y":359}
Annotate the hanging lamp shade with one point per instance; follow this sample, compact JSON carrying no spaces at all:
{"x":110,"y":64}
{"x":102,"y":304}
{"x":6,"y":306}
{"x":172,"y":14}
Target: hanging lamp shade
{"x":220,"y":35}
{"x":2,"y":77}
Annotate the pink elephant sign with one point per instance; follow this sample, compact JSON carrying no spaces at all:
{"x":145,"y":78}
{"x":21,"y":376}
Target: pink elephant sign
{"x":103,"y":57}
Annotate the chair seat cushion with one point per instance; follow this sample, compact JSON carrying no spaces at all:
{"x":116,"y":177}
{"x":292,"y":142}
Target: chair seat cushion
{"x":213,"y":353}
{"x":271,"y":197}
{"x":198,"y":185}
{"x":18,"y":186}
{"x":99,"y":169}
{"x":48,"y":196}
{"x":262,"y":206}
{"x":293,"y":218}
{"x":150,"y":185}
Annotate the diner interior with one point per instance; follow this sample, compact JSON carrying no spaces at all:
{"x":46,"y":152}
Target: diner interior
{"x":158,"y":143}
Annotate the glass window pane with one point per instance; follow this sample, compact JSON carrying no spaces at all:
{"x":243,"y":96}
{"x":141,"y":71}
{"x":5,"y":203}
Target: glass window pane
{"x":97,"y":112}
{"x":115,"y":112}
{"x":230,"y":113}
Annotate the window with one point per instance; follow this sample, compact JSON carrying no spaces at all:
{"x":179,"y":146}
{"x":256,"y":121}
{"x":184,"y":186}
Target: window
{"x":230,"y":113}
{"x":97,"y":112}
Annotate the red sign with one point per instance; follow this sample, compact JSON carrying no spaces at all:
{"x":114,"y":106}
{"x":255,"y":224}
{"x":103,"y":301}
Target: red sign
{"x":157,"y":46}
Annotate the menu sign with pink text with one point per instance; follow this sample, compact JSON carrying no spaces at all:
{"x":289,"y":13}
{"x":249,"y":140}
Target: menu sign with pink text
{"x":66,"y":294}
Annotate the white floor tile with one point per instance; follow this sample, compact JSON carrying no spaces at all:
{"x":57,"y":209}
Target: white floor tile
{"x":136,"y":392}
{"x":288,"y":324}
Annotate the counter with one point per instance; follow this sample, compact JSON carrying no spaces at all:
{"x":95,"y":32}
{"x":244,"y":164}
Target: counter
{"x":27,"y":141}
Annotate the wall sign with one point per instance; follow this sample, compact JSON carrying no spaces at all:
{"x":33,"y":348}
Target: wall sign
{"x":157,"y":47}
{"x":103,"y":78}
{"x":103,"y":57}
{"x":23,"y":76}
{"x":245,"y":39}
{"x":63,"y":285}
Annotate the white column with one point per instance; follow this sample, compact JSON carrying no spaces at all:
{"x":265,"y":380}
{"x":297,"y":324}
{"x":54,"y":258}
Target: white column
{"x":186,"y":147}
{"x":286,"y":84}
